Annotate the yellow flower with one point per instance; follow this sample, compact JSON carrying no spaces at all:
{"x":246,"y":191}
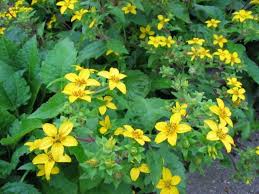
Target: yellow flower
{"x":162,"y":21}
{"x":222,"y":111}
{"x":146,"y":31}
{"x":49,"y":161}
{"x":254,"y":2}
{"x":137,"y":135}
{"x":33,"y":145}
{"x":119,"y":131}
{"x":155,"y":41}
{"x":219,"y":40}
{"x":74,"y":92}
{"x":232,"y":81}
{"x":198,"y":41}
{"x":179,"y":108}
{"x":168,"y":183}
{"x":57,"y":139}
{"x":169,"y":41}
{"x":193,"y":53}
{"x":223,"y":54}
{"x":257,"y":150}
{"x":129,"y":8}
{"x":213,"y":23}
{"x":107,"y":104}
{"x":202,"y":52}
{"x":79,"y":68}
{"x":2,"y":29}
{"x":169,"y":130}
{"x":53,"y":19}
{"x":242,"y":15}
{"x":41,"y":172}
{"x":91,"y":25}
{"x":82,"y":80}
{"x":237,"y":93}
{"x":219,"y":133}
{"x":135,"y":172}
{"x":66,"y":4}
{"x":233,"y":58}
{"x":106,"y":125}
{"x":79,"y":14}
{"x":114,"y":77}
{"x":110,"y":51}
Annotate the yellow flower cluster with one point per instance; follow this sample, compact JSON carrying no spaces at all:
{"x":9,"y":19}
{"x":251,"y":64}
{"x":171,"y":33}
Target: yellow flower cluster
{"x":200,"y":52}
{"x":135,"y":171}
{"x":236,"y":90}
{"x":219,"y":131}
{"x":242,"y":15}
{"x":162,"y":41}
{"x":53,"y":145}
{"x":66,"y":4}
{"x":212,"y":23}
{"x":129,"y":8}
{"x":227,"y":57}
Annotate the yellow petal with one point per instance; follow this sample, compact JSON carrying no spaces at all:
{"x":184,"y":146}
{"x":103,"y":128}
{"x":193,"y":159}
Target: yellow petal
{"x":104,"y":74}
{"x":65,"y":128}
{"x":227,"y":145}
{"x":212,"y":136}
{"x":55,"y":170}
{"x":134,"y":174}
{"x":63,"y":9}
{"x":183,"y":128}
{"x":229,"y":139}
{"x":144,"y":168}
{"x":84,"y":74}
{"x":122,"y":87}
{"x":160,"y":184}
{"x":176,"y":180}
{"x":161,"y":126}
{"x":57,"y":151}
{"x":93,"y":82}
{"x":176,"y":118}
{"x":102,"y":110}
{"x":112,"y":84}
{"x":40,"y":159}
{"x":71,"y":77}
{"x":72,"y":99}
{"x":172,"y":139}
{"x":86,"y":98}
{"x":103,"y":130}
{"x":46,"y":142}
{"x":49,"y":129}
{"x":220,"y":103}
{"x":111,"y":105}
{"x":160,"y":137}
{"x":166,"y":173}
{"x":140,"y":141}
{"x":69,"y":141}
{"x":211,"y":124}
{"x":64,"y":158}
{"x":229,"y":121}
{"x":214,"y":109}
{"x":48,"y":168}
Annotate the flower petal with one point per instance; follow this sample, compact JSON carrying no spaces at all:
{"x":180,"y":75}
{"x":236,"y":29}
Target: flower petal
{"x":40,"y":159}
{"x":176,"y":180}
{"x":183,"y":128}
{"x":214,"y":109}
{"x":227,"y":145}
{"x":122,"y":87}
{"x":212,"y":136}
{"x":64,"y":158}
{"x":48,"y":168}
{"x":104,"y":74}
{"x":134,"y":174}
{"x":69,"y":141}
{"x":211,"y":124}
{"x":166,"y":173}
{"x":176,"y":118}
{"x":162,"y":126}
{"x":65,"y":128}
{"x":49,"y":129}
{"x":102,"y":109}
{"x":160,"y":137}
{"x":57,"y":150}
{"x":71,"y":77}
{"x":172,"y":139}
{"x":46,"y":142}
{"x":144,"y":168}
{"x":220,"y":103}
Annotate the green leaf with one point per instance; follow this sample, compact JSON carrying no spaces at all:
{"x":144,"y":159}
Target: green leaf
{"x":92,"y":50}
{"x":17,"y":154}
{"x":6,"y":119}
{"x":155,"y":163}
{"x":8,"y":51}
{"x":180,"y":11}
{"x":18,"y":188}
{"x":58,"y":62}
{"x":5,"y":169}
{"x":5,"y":71}
{"x":14,"y":92}
{"x":145,"y":112}
{"x":51,"y":108}
{"x":26,"y":126}
{"x":204,"y":12}
{"x":137,"y":83}
{"x":118,"y":14}
{"x":117,"y":46}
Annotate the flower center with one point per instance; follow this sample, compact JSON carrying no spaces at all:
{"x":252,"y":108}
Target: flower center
{"x":50,"y":157}
{"x":78,"y":93}
{"x":222,"y":113}
{"x":172,"y":128}
{"x":167,"y":184}
{"x":115,"y":79}
{"x":235,"y":92}
{"x":136,"y":135}
{"x":80,"y":82}
{"x":221,"y":134}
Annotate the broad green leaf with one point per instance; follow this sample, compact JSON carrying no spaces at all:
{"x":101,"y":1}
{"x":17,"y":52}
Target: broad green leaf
{"x":5,"y":169}
{"x":155,"y":163}
{"x":180,"y":11}
{"x":118,"y":14}
{"x":117,"y":46}
{"x":14,"y":92}
{"x":137,"y":83}
{"x":5,"y":71}
{"x":17,"y":154}
{"x":92,"y":50}
{"x":145,"y":113}
{"x":59,"y":61}
{"x":6,"y":119}
{"x":204,"y":12}
{"x":18,"y":188}
{"x":51,"y":108}
{"x":8,"y":51}
{"x":26,"y":126}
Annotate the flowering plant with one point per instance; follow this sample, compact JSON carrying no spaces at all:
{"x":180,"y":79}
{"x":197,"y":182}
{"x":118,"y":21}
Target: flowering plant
{"x":125,"y":96}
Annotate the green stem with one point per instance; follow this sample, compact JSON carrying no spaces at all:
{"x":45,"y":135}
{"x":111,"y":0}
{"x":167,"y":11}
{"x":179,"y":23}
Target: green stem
{"x":24,"y":175}
{"x":55,"y":81}
{"x":101,"y":90}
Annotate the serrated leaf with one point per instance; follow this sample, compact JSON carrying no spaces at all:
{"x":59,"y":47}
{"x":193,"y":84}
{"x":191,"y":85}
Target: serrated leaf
{"x":92,"y":50}
{"x":8,"y":51}
{"x":18,"y":188}
{"x":14,"y":92}
{"x":180,"y":11}
{"x":58,"y":62}
{"x":51,"y":108}
{"x":117,"y":46}
{"x":26,"y":126}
